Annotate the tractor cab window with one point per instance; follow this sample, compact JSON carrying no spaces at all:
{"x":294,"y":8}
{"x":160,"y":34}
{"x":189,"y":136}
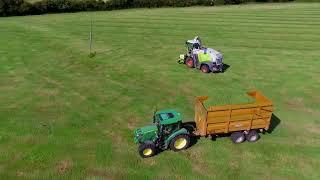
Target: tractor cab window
{"x":165,"y":116}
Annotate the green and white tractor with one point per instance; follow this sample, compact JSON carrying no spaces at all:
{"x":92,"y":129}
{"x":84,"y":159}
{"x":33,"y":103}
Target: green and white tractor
{"x":166,"y":132}
{"x":200,"y":57}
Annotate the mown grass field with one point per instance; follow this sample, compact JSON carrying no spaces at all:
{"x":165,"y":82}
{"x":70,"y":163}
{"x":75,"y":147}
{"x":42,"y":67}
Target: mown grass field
{"x":64,"y":115}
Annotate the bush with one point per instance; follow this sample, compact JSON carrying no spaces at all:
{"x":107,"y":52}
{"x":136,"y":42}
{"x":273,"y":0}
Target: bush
{"x":25,"y":8}
{"x":40,"y":7}
{"x":10,"y":7}
{"x":234,"y":1}
{"x":218,"y":2}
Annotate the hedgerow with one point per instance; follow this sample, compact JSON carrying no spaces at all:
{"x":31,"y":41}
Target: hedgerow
{"x":22,"y":7}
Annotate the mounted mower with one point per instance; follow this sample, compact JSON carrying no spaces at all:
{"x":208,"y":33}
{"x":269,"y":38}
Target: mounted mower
{"x":200,"y":57}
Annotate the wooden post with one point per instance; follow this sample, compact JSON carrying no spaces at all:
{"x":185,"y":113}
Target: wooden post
{"x":90,"y":38}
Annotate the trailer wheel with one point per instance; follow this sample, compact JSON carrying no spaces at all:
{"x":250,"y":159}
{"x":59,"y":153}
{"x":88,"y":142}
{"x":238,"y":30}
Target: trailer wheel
{"x":237,"y":137}
{"x":180,"y":142}
{"x":252,"y":136}
{"x":147,"y":149}
{"x":204,"y":68}
{"x":189,"y":62}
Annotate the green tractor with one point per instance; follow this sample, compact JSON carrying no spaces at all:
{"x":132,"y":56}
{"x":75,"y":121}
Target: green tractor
{"x":166,"y":132}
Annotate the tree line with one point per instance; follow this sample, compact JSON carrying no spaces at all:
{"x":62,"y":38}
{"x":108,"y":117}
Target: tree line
{"x":23,"y":7}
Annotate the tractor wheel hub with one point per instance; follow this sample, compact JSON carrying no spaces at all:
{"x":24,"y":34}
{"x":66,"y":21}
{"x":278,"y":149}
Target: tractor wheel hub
{"x":180,"y":143}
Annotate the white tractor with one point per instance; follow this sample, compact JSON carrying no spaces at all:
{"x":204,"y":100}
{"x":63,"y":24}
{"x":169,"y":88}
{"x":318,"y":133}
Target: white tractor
{"x":198,"y":56}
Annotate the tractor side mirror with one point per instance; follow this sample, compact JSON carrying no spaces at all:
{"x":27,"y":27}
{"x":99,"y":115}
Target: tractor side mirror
{"x":154,"y":115}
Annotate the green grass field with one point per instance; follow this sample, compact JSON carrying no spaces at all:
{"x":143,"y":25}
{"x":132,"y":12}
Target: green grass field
{"x":64,"y":115}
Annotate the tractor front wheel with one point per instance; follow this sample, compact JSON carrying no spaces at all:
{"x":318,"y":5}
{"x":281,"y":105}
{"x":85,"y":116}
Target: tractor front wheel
{"x":147,"y":149}
{"x":189,"y":62}
{"x":180,"y":142}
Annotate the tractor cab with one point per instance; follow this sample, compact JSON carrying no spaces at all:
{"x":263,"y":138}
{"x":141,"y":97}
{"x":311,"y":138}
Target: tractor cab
{"x":167,"y":117}
{"x":167,"y":121}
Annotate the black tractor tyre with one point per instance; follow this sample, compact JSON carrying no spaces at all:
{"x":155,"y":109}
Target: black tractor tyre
{"x":180,"y":142}
{"x":252,"y":136}
{"x":147,"y":149}
{"x":204,"y":68}
{"x":237,"y":137}
{"x":189,"y":62}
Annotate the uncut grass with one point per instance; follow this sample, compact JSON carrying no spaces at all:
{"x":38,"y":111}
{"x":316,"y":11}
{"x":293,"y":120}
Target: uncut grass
{"x":66,"y":115}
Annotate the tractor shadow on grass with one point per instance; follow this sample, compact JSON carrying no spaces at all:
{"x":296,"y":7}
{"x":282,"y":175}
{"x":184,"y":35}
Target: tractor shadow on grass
{"x":225,"y":67}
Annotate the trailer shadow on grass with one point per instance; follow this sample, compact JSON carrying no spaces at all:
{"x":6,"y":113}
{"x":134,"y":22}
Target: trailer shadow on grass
{"x":274,"y":122}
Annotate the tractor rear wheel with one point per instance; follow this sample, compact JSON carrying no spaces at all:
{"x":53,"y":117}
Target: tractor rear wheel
{"x":204,"y":68}
{"x":252,"y":136}
{"x":237,"y":137}
{"x":147,"y":149}
{"x":180,"y":142}
{"x":189,"y":62}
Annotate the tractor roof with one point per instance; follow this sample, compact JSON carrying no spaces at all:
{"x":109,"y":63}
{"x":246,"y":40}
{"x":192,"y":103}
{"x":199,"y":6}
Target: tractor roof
{"x":167,"y":111}
{"x":169,"y":116}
